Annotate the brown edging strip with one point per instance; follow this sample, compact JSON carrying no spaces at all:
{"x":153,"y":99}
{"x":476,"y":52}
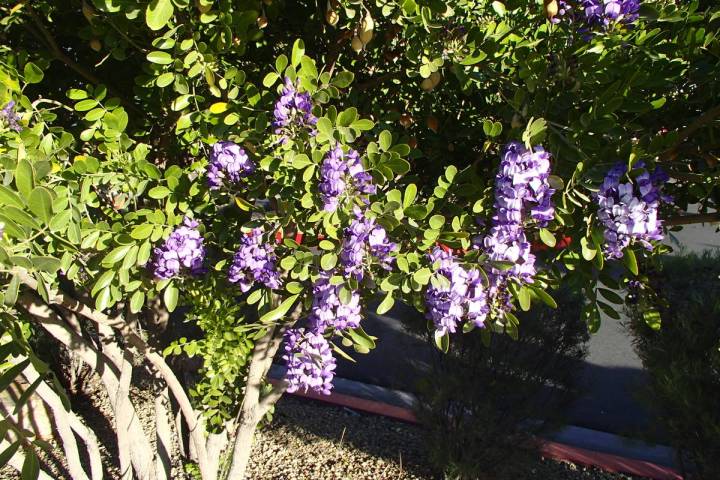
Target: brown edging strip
{"x":548,"y":448}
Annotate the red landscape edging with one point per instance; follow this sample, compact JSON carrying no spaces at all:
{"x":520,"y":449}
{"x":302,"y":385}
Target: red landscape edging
{"x":548,"y":448}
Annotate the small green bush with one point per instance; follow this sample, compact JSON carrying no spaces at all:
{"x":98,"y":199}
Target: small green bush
{"x":488,"y":394}
{"x":683,"y":357}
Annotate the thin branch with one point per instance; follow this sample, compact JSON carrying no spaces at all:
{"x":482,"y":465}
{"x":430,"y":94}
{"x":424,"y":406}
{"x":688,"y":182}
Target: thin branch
{"x":64,"y":426}
{"x":99,"y":362}
{"x":196,"y":430}
{"x":686,"y":133}
{"x":692,"y":219}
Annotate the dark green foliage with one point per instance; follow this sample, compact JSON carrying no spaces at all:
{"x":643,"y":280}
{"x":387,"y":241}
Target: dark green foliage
{"x":483,"y":400}
{"x":683,"y":357}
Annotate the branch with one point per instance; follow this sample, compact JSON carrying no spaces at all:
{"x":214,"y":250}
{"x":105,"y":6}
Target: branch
{"x":691,"y":219}
{"x":683,"y":135}
{"x":67,"y":422}
{"x":72,"y":64}
{"x":141,"y":452}
{"x":196,"y":431}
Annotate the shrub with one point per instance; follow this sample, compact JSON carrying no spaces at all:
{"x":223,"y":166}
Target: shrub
{"x":683,"y":356}
{"x":490,"y":393}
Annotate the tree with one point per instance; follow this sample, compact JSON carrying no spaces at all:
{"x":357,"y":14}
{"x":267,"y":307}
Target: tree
{"x":273,"y":165}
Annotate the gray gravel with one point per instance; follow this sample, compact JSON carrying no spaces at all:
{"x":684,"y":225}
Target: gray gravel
{"x":313,"y":441}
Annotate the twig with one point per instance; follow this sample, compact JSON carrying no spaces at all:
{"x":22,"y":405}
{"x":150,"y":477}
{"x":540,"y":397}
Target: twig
{"x":691,"y":219}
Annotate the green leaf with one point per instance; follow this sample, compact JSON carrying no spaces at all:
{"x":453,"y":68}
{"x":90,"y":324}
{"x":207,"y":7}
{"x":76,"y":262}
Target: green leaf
{"x":436,"y":222}
{"x":422,"y":276}
{"x":170,"y":297}
{"x":8,"y":197}
{"x":325,"y":126}
{"x":611,"y":296}
{"x":343,"y":79}
{"x":294,"y":287}
{"x":326,"y":245}
{"x":442,"y":341}
{"x":409,"y":196}
{"x":158,"y":13}
{"x":8,"y":453}
{"x":362,"y":124}
{"x":347,"y":117}
{"x":270,"y":79}
{"x":544,"y":296}
{"x":24,"y":178}
{"x":588,"y":249}
{"x":165,"y":79}
{"x":385,"y":140}
{"x":46,"y":264}
{"x":103,"y":299}
{"x":31,"y":465}
{"x":298,"y":51}
{"x":32,"y":73}
{"x":143,"y":231}
{"x":547,"y":237}
{"x":630,"y":261}
{"x":328,"y":261}
{"x":280,"y":311}
{"x":386,"y":304}
{"x":159,"y":192}
{"x":159,"y":57}
{"x":309,"y":69}
{"x":523,"y":296}
{"x":86,"y":105}
{"x":40,"y":203}
{"x":11,"y":292}
{"x":116,"y":254}
{"x":280,"y":63}
{"x":137,"y":301}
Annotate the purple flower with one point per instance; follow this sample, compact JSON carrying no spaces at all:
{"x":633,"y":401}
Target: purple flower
{"x":293,"y":108}
{"x":10,"y":117}
{"x":342,"y":173}
{"x":606,"y":12}
{"x":629,"y":211}
{"x":228,"y":162}
{"x":363,"y":236}
{"x":309,"y":360}
{"x":182,"y":250}
{"x":329,"y":311}
{"x":254,"y":262}
{"x":454,"y":294}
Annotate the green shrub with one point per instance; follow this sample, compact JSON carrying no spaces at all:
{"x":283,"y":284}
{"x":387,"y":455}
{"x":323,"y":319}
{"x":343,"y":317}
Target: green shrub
{"x":683,"y":357}
{"x":487,"y":396}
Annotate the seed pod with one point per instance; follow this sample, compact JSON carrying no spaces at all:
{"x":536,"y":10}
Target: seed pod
{"x":268,"y":2}
{"x":435,"y":78}
{"x":426,"y":85}
{"x":412,"y":142}
{"x":88,"y":11}
{"x":550,"y":7}
{"x":357,"y":44}
{"x":262,"y":21}
{"x":406,"y":120}
{"x":331,"y":16}
{"x":203,"y":7}
{"x":96,"y":44}
{"x":432,"y":123}
{"x":367,"y":25}
{"x":516,"y":121}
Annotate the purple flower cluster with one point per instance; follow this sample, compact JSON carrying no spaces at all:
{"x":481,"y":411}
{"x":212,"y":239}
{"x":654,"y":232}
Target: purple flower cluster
{"x":629,"y":210}
{"x":10,"y":117}
{"x":456,"y":294}
{"x":228,"y":162}
{"x":309,"y":360}
{"x":293,"y":108}
{"x":595,"y":14}
{"x":183,"y":249}
{"x":361,"y":236}
{"x":521,"y":191}
{"x":254,"y":262}
{"x":329,"y":311}
{"x":603,"y":13}
{"x":339,"y":172}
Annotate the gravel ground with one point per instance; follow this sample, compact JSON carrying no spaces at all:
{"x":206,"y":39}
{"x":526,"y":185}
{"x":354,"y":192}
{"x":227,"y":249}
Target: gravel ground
{"x":313,"y":441}
{"x":308,"y":440}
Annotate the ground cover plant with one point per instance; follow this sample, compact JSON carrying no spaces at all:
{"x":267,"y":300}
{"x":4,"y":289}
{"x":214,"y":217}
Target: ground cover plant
{"x":267,"y":168}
